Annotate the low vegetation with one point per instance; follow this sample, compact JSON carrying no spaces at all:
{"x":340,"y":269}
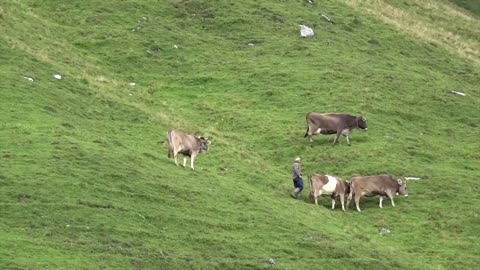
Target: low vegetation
{"x":84,"y":174}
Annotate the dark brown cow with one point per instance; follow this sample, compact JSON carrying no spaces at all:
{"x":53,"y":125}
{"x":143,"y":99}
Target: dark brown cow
{"x":333,"y":123}
{"x":327,"y":184}
{"x":382,"y":185}
{"x":186,"y":144}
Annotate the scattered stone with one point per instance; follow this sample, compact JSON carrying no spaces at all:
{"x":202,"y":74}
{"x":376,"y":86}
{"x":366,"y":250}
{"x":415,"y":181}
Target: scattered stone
{"x":132,"y":84}
{"x":250,"y":44}
{"x":175,"y":46}
{"x":130,"y":94}
{"x":457,"y":93}
{"x":28,"y":78}
{"x":57,"y":76}
{"x":384,"y":231}
{"x":271,"y":262}
{"x":327,"y":18}
{"x":306,"y":31}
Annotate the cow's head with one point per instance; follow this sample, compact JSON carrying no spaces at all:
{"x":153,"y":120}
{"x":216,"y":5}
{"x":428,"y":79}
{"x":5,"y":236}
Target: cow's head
{"x":362,"y":122}
{"x":402,"y":187}
{"x":204,"y":142}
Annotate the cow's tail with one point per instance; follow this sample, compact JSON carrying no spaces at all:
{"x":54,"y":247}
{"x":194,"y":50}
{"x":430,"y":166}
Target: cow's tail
{"x":308,"y":126}
{"x":306,"y":132}
{"x":310,"y":184}
{"x":347,"y":187}
{"x":170,"y":143}
{"x":352,"y":189}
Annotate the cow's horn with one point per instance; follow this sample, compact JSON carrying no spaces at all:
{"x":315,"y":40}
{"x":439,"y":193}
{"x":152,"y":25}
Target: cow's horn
{"x":364,"y":118}
{"x":400,"y":181}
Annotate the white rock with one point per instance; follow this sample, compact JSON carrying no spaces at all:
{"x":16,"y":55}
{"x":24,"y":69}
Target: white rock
{"x":28,"y":78}
{"x":306,"y":31}
{"x":57,"y":76}
{"x":458,"y":93}
{"x":132,"y":84}
{"x":175,"y":46}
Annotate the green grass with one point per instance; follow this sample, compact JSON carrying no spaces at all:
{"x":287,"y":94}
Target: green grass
{"x":84,"y":174}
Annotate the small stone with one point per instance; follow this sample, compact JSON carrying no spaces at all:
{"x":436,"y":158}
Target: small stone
{"x":28,"y":78}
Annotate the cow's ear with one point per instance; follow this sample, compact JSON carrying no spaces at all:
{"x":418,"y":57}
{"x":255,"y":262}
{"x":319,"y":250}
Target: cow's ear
{"x":364,"y":118}
{"x":400,"y":182}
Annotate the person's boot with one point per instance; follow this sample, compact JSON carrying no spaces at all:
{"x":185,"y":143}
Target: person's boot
{"x":295,"y":193}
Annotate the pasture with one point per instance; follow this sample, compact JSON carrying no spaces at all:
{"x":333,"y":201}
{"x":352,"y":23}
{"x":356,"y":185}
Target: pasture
{"x":85,"y":182}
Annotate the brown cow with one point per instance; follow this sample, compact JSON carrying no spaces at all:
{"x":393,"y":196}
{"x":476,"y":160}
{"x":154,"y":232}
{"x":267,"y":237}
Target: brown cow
{"x":383,"y":185}
{"x":333,"y":123}
{"x":328,"y":184}
{"x":186,"y":144}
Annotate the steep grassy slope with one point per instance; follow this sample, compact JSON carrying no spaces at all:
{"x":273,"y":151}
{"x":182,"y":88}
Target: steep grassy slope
{"x":86,"y":184}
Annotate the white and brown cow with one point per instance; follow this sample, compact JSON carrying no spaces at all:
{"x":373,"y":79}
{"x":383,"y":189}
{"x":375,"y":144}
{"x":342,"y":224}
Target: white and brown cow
{"x":333,"y":123}
{"x":382,"y":185}
{"x":327,"y":184}
{"x":186,"y":144}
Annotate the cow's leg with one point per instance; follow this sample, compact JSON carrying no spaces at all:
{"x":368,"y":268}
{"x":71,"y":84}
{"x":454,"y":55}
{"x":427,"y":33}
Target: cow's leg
{"x":175,"y":158}
{"x":346,"y":133}
{"x":342,"y":201}
{"x":391,"y":199}
{"x":357,"y":202}
{"x":192,"y":160}
{"x":380,"y":203}
{"x":184,"y":161}
{"x":310,"y":139}
{"x":336,"y":137}
{"x":349,"y":199}
{"x":317,"y":195}
{"x":333,"y":202}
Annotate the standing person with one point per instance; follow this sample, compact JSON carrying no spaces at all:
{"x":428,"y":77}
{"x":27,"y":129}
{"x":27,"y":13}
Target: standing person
{"x":297,"y":178}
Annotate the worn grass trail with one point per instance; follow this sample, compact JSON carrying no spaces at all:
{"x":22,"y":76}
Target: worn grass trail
{"x":85,"y":182}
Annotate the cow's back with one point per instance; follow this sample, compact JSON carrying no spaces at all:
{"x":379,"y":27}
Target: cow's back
{"x":328,"y":121}
{"x":182,"y":140}
{"x":371,"y":183}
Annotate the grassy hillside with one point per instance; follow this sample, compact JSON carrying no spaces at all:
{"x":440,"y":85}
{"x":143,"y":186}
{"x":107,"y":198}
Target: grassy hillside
{"x":84,"y":174}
